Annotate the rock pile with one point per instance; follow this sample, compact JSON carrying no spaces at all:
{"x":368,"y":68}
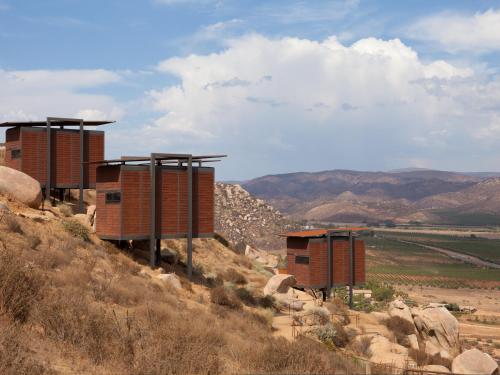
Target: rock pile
{"x":246,"y":220}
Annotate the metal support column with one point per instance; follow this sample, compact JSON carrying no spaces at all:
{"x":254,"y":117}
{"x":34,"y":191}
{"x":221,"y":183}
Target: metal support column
{"x":351,"y":268}
{"x":49,"y":161}
{"x":329,"y":245}
{"x":80,"y":197}
{"x":152,"y":236}
{"x":190,"y":218}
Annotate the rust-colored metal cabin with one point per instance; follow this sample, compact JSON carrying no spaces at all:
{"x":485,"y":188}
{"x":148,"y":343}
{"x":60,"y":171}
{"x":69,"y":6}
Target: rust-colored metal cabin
{"x":123,"y":201}
{"x":53,"y":154}
{"x":181,"y":204}
{"x":325,"y":258}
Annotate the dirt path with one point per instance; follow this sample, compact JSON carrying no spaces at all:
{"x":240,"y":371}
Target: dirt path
{"x":456,"y":255}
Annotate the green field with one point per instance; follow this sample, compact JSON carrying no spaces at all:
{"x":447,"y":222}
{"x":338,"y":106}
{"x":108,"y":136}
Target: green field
{"x":396,"y":262}
{"x":483,"y":248}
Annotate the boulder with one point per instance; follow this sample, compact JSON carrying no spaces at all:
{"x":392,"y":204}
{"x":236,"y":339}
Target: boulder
{"x":261,"y":256}
{"x":380,"y":316}
{"x":439,"y":326}
{"x":474,"y":361}
{"x":413,"y":342}
{"x":279,"y":284}
{"x":91,"y":214}
{"x":171,"y":279}
{"x":382,"y":351}
{"x":437,"y":368}
{"x":20,"y":186}
{"x":399,"y":308}
{"x":82,"y":219}
{"x":431,"y":349}
{"x":289,"y":301}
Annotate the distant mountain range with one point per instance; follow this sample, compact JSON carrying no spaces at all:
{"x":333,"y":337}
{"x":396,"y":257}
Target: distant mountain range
{"x":427,"y":196}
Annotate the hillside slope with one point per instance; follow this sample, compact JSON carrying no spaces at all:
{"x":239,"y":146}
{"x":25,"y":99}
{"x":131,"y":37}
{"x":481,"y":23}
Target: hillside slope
{"x":72,"y":304}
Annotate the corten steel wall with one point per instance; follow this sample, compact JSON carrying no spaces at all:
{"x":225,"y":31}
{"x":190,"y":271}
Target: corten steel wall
{"x":65,"y":165}
{"x":108,"y":220}
{"x":134,"y":184}
{"x":315,"y":274}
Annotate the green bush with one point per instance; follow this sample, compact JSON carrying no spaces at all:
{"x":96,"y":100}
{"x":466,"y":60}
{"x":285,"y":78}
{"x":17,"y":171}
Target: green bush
{"x":381,"y":292}
{"x":267,"y":302}
{"x":220,"y":296}
{"x":245,"y":296}
{"x":76,"y":229}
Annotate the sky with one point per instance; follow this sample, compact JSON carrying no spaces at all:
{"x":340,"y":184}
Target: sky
{"x":278,"y":86}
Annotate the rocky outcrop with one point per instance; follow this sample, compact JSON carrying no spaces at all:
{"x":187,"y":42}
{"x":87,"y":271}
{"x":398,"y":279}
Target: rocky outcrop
{"x":261,"y":256}
{"x":289,"y":301}
{"x":398,"y":308}
{"x":279,"y":284}
{"x":382,"y":351}
{"x":474,"y":362}
{"x":20,"y":186}
{"x":439,"y":328}
{"x":245,"y":220}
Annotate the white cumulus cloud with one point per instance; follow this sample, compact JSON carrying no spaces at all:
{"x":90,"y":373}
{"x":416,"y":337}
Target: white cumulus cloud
{"x":290,"y":104}
{"x":36,"y":94}
{"x":479,"y":32}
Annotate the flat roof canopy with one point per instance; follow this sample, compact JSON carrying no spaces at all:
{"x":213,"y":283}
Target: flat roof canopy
{"x":314,"y":233}
{"x":55,"y":123}
{"x":161,"y":157}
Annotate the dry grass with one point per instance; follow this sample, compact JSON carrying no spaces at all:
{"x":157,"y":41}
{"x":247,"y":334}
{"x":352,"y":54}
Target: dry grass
{"x":234,"y":277}
{"x":15,"y":358}
{"x":220,"y":296}
{"x":76,"y":229}
{"x":13,"y":224}
{"x":65,"y":210}
{"x":19,"y":286}
{"x":422,"y":358}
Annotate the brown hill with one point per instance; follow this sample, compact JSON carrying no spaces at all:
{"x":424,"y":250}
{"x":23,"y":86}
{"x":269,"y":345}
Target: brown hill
{"x":407,"y":195}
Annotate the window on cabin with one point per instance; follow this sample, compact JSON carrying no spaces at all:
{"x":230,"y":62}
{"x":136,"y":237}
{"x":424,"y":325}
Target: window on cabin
{"x":15,"y":154}
{"x":300,"y":259}
{"x":113,"y":197}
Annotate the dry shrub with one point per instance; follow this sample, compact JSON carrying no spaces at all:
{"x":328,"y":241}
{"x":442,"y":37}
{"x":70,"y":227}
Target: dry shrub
{"x":267,"y":302}
{"x":221,"y":297}
{"x":361,"y":345}
{"x":15,"y":357}
{"x":400,"y":327}
{"x":319,"y":316}
{"x":242,"y":260}
{"x":175,"y":343}
{"x":65,"y":210}
{"x":13,"y":224}
{"x":58,"y":255}
{"x":423,"y":359}
{"x":246,"y":296}
{"x":76,"y":229}
{"x":339,"y":308}
{"x":213,"y":281}
{"x":19,"y":286}
{"x":334,"y":335}
{"x":235,"y":277}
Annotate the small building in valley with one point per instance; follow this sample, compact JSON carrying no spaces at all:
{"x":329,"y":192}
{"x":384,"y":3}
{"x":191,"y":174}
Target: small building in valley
{"x":326,"y":258}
